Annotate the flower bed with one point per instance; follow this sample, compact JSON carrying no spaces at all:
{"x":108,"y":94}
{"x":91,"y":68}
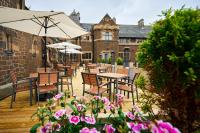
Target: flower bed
{"x":80,"y":116}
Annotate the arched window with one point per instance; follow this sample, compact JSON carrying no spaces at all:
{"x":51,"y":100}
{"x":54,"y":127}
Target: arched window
{"x":7,"y":41}
{"x":126,"y":54}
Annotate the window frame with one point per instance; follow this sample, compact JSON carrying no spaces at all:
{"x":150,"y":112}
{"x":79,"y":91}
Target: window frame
{"x":107,"y":36}
{"x":89,"y":55}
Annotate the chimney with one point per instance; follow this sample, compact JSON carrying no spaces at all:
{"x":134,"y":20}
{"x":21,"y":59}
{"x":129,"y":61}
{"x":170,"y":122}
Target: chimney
{"x":114,"y":19}
{"x":141,"y":23}
{"x":75,"y":16}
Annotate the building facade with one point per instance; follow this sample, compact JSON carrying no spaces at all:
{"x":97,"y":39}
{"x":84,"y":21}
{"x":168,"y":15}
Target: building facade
{"x":107,"y":38}
{"x":19,"y":51}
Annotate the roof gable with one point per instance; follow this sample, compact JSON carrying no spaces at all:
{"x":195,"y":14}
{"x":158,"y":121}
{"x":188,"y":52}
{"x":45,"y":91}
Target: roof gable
{"x":107,"y":20}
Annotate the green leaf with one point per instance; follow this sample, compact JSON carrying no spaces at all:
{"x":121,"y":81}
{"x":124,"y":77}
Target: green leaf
{"x":35,"y":127}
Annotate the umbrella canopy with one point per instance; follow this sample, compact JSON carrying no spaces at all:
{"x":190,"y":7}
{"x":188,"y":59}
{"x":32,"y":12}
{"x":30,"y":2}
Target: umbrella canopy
{"x":70,"y":51}
{"x":64,"y":45}
{"x":36,"y":22}
{"x":42,"y":23}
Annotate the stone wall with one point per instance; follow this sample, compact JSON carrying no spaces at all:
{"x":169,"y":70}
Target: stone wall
{"x":9,"y":3}
{"x":23,"y":59}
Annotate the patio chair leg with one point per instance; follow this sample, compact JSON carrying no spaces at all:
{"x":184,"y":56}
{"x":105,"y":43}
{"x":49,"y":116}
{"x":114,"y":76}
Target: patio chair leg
{"x":72,"y":88}
{"x":133,"y":99}
{"x":61,"y":84}
{"x":110,"y":94}
{"x":12,"y":98}
{"x":38,"y":98}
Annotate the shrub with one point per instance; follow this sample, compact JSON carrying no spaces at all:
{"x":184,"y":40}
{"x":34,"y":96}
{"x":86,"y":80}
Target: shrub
{"x":109,"y":60}
{"x":119,"y":61}
{"x":172,"y":58}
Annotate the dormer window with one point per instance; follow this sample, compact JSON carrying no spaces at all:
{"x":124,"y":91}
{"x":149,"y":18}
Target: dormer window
{"x":107,"y":36}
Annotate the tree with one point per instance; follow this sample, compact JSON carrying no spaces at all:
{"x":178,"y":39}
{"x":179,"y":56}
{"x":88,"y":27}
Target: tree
{"x":171,"y":55}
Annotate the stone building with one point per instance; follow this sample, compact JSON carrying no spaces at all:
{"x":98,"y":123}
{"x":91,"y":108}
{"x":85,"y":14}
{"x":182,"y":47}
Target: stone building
{"x":108,"y":38}
{"x":19,"y":51}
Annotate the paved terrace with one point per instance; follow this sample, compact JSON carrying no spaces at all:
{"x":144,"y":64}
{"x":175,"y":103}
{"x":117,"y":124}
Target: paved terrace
{"x":18,"y":119}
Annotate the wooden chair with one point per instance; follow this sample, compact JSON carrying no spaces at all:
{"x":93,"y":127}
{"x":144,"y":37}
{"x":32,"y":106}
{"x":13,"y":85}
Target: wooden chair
{"x":94,"y":71}
{"x":95,"y":88}
{"x":47,"y":81}
{"x":42,"y":69}
{"x":68,"y":79}
{"x":17,"y":86}
{"x":129,"y":87}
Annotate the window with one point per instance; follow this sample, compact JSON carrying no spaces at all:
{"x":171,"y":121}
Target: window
{"x":8,"y":43}
{"x":123,"y":40}
{"x":107,"y":36}
{"x":34,"y":48}
{"x":127,"y":54}
{"x":87,"y":55}
{"x":74,"y":57}
{"x":121,"y":54}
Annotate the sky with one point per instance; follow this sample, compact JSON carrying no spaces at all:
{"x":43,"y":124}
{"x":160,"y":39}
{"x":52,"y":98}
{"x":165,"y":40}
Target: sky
{"x":125,"y":11}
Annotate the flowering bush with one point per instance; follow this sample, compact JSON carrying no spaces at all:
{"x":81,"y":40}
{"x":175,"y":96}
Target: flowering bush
{"x":59,"y":116}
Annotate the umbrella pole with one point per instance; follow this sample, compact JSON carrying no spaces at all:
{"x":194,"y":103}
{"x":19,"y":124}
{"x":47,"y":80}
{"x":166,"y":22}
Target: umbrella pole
{"x":65,"y":57}
{"x":45,"y":41}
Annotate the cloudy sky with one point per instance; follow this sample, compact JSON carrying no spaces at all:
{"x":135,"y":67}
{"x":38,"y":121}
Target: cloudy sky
{"x":125,"y":11}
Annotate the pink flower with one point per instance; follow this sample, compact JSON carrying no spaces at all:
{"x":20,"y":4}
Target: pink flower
{"x":105,"y":100}
{"x":136,"y":128}
{"x":74,"y":119}
{"x":119,"y":99}
{"x":109,"y":128}
{"x":58,"y":96}
{"x":130,"y":115}
{"x":94,"y":130}
{"x":96,"y":97}
{"x":47,"y":128}
{"x":80,"y":107}
{"x":59,"y":113}
{"x":87,"y":130}
{"x":163,"y":127}
{"x":84,"y":130}
{"x":89,"y":120}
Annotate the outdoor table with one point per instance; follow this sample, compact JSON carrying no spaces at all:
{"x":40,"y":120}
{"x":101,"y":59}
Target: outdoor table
{"x":32,"y":78}
{"x":115,"y":76}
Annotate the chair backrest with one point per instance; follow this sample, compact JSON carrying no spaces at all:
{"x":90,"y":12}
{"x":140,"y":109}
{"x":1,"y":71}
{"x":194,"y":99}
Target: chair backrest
{"x":47,"y":78}
{"x":90,"y":79}
{"x":70,"y":72}
{"x":136,"y":75}
{"x":13,"y":77}
{"x":93,"y":79}
{"x":122,"y":71}
{"x":95,"y":71}
{"x":85,"y":77}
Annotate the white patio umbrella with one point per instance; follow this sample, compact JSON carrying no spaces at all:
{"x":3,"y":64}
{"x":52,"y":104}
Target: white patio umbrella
{"x":71,"y":51}
{"x":64,"y":45}
{"x":41,"y":23}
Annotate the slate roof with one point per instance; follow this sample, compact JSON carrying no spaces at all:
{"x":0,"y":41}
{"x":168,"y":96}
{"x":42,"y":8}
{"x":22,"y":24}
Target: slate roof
{"x":129,"y":31}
